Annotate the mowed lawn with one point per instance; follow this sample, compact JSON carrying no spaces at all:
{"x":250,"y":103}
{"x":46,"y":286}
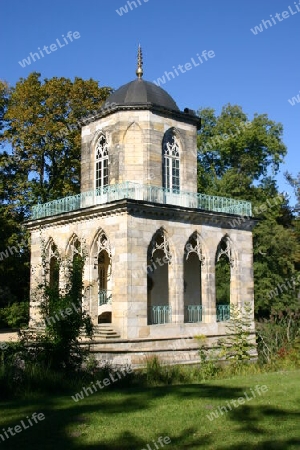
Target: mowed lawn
{"x":132,"y":418}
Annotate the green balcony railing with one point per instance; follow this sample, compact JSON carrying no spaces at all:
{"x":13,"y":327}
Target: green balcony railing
{"x":194,"y":313}
{"x":142,"y":192}
{"x":223,"y":313}
{"x":160,"y":315}
{"x":105,"y":297}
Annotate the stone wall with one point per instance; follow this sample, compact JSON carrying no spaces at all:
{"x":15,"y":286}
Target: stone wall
{"x":129,"y":226}
{"x":135,"y":149}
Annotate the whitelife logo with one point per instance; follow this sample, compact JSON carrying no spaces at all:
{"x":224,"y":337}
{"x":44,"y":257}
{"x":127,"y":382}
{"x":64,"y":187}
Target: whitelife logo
{"x":267,"y":23}
{"x":260,"y":390}
{"x":24,"y":425}
{"x":161,"y":442}
{"x":53,"y":47}
{"x":292,"y":101}
{"x":106,"y":382}
{"x":187,"y":66}
{"x":124,"y":9}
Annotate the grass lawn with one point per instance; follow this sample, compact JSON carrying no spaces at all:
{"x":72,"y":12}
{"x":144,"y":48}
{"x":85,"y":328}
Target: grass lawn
{"x":129,"y":419}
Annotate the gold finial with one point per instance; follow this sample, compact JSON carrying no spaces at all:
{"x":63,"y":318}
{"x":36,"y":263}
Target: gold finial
{"x":139,"y":71}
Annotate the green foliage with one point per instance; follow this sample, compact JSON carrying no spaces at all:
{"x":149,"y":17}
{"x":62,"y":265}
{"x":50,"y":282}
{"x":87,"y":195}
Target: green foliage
{"x":294,"y":181}
{"x":128,"y":419}
{"x":209,"y":367}
{"x":15,"y":315}
{"x":40,"y":160}
{"x":223,"y":281}
{"x":64,"y":317}
{"x":14,"y":258}
{"x":164,"y":374}
{"x":278,"y":337}
{"x":238,"y":346}
{"x":43,"y":131}
{"x":234,"y":152}
{"x":240,"y":158}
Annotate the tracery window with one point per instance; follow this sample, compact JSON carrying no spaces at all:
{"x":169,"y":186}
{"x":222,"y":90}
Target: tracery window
{"x":171,"y":163}
{"x":101,"y":162}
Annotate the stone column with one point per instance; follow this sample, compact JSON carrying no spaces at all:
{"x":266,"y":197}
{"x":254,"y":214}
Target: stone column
{"x":208,"y":283}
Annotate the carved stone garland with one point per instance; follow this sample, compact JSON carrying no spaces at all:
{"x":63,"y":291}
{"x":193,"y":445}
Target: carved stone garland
{"x":172,"y":148}
{"x":164,"y":246}
{"x":196,"y":249}
{"x":227,"y":251}
{"x":103,"y":244}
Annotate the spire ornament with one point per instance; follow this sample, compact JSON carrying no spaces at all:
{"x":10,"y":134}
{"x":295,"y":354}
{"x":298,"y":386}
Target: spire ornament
{"x":139,"y":71}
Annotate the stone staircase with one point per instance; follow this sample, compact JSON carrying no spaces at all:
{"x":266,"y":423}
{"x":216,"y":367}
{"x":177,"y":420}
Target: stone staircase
{"x":101,"y":332}
{"x":105,"y":331}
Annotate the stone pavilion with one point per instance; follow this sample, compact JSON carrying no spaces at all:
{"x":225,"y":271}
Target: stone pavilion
{"x":152,"y":241}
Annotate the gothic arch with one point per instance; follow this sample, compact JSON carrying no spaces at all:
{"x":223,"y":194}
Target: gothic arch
{"x":225,"y":277}
{"x":171,"y":161}
{"x":101,"y":161}
{"x":160,"y":241}
{"x":101,"y":265}
{"x":51,"y":248}
{"x":196,"y":244}
{"x":96,"y":137}
{"x":226,"y":247}
{"x":53,"y":263}
{"x":194,"y":260}
{"x":158,"y":260}
{"x":74,"y":246}
{"x":133,"y":127}
{"x":100,"y":242}
{"x":176,"y":132}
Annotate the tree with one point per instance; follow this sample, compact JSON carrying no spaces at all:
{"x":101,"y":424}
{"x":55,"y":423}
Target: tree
{"x":63,"y":315}
{"x":44,"y":137}
{"x":234,"y":153}
{"x":39,"y":161}
{"x":4,"y":93}
{"x":295,"y":183}
{"x":239,"y":158}
{"x":238,"y":345}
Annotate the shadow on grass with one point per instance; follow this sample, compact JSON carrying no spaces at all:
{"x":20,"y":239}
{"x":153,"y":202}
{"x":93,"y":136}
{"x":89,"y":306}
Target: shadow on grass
{"x":67,"y":422}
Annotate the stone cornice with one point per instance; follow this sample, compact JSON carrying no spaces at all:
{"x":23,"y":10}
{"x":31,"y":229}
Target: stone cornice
{"x":186,"y":117}
{"x":147,"y":210}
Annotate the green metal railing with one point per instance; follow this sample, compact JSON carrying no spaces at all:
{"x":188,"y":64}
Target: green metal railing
{"x":160,"y":315}
{"x":194,"y":313}
{"x":223,"y":313}
{"x":105,"y":297}
{"x":148,"y":193}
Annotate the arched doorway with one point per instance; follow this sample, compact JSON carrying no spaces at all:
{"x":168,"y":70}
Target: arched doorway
{"x":159,"y":310}
{"x":102,"y":279}
{"x":224,"y":263}
{"x":193,"y":260}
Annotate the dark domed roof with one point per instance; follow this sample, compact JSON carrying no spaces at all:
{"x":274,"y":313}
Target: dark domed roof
{"x":142,"y":92}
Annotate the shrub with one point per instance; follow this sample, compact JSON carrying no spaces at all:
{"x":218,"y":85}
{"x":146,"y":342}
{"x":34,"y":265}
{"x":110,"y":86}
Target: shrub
{"x":164,"y":374}
{"x":277,"y":336}
{"x":208,"y":359}
{"x":238,"y":345}
{"x":15,"y":315}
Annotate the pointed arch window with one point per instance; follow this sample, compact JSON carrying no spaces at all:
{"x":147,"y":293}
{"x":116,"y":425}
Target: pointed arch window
{"x":54,"y":266}
{"x":171,"y":163}
{"x":223,"y":268}
{"x":158,"y":260}
{"x":101,"y":162}
{"x":193,"y":262}
{"x":77,"y":272}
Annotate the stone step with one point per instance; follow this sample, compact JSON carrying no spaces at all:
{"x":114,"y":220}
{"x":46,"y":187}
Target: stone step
{"x":105,"y":331}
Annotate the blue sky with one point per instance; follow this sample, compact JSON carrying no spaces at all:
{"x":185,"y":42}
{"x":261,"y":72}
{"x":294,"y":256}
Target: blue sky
{"x":259,"y":72}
